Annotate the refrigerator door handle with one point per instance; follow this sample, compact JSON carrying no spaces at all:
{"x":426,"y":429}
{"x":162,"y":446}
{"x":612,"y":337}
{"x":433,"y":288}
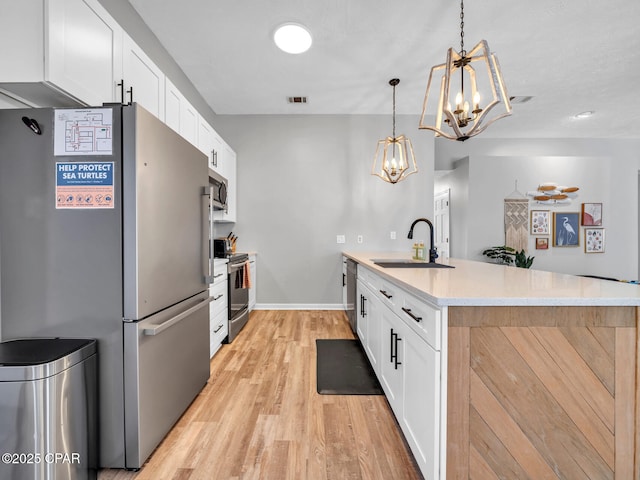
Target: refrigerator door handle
{"x":207,"y":242}
{"x":158,"y":329}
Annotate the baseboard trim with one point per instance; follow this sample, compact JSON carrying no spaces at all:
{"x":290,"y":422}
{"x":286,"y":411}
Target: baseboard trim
{"x":299,"y":306}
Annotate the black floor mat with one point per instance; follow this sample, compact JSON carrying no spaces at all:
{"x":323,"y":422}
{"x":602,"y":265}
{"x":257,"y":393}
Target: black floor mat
{"x":343,"y":369}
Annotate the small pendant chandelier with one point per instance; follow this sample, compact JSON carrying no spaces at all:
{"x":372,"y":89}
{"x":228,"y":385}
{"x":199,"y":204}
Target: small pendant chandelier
{"x":394,"y":159}
{"x":481,"y":84}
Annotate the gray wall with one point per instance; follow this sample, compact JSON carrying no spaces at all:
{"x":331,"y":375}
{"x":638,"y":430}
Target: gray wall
{"x":302,"y":180}
{"x":605,"y":170}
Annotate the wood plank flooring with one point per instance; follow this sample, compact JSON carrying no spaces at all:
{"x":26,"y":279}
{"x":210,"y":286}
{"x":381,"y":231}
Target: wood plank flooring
{"x":260,"y":417}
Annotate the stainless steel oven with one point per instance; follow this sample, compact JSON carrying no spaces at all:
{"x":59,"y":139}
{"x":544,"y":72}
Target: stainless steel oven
{"x":238,"y":293}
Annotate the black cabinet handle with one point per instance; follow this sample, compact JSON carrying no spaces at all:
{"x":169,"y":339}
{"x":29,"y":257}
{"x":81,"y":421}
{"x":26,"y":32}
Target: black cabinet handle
{"x":386,"y":294}
{"x":130,"y":92}
{"x":408,"y":312}
{"x":394,"y":349}
{"x":392,"y":346}
{"x":121,"y":85}
{"x":398,"y":339}
{"x":344,"y":279}
{"x":364,"y":307}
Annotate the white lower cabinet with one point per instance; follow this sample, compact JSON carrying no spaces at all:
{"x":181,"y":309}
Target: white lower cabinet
{"x":392,"y":365}
{"x":218,"y":314}
{"x":368,"y":326}
{"x":421,"y":402}
{"x":401,"y":335}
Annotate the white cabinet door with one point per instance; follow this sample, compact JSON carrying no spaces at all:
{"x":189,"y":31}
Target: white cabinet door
{"x":59,"y":52}
{"x":143,"y":80}
{"x":361,"y":325}
{"x":217,"y":160}
{"x":172,"y":102}
{"x":205,"y":139}
{"x":83,"y":50}
{"x":391,"y":359}
{"x":189,"y":122}
{"x":420,"y":419}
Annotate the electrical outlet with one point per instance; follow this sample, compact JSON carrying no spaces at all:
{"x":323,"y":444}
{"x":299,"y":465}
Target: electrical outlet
{"x":392,"y":235}
{"x":340,"y":239}
{"x":360,"y":239}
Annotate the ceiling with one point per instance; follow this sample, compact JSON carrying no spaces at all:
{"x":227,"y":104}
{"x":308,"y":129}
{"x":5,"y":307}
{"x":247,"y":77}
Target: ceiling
{"x":570,"y":56}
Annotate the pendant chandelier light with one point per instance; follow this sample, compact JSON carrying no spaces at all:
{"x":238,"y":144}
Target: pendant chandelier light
{"x":466,"y":76}
{"x":394,"y":159}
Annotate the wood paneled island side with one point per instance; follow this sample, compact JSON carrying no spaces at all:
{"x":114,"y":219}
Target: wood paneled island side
{"x":541,"y":371}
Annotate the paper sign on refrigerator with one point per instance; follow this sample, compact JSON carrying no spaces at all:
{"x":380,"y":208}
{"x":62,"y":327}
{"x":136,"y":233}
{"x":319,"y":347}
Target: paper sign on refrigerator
{"x":84,"y":185}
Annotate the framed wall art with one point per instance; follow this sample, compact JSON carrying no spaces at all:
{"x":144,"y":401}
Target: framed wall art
{"x":540,"y":220}
{"x":591,"y":214}
{"x":566,"y":229}
{"x":594,"y":240}
{"x":542,"y":243}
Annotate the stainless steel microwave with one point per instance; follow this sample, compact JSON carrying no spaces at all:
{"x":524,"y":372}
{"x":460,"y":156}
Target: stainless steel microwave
{"x":219,"y":190}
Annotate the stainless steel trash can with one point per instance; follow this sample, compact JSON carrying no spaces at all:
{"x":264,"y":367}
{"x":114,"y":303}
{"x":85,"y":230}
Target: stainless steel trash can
{"x":48,"y":409}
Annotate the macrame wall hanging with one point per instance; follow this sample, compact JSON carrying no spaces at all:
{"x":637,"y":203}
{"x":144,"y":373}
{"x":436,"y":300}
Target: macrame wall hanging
{"x":516,"y":221}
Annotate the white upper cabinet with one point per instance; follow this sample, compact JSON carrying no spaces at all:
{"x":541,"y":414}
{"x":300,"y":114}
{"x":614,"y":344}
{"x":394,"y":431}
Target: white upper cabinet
{"x":59,"y":52}
{"x":189,"y":122}
{"x":83,"y":50}
{"x":179,"y":114}
{"x":172,"y":101}
{"x":205,"y":139}
{"x":143,"y":80}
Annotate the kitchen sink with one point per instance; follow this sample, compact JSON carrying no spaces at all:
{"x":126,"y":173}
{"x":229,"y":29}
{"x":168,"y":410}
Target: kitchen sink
{"x":406,"y":263}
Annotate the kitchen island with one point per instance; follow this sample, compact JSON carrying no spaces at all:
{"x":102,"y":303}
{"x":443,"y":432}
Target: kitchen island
{"x":531,"y":374}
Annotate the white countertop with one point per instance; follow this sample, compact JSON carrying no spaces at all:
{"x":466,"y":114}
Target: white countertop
{"x":484,"y":284}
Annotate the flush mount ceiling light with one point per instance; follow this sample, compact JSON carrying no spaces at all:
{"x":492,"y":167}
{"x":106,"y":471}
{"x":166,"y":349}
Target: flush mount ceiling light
{"x":292,"y":38}
{"x":586,"y":114}
{"x":483,"y":83}
{"x":394,"y":159}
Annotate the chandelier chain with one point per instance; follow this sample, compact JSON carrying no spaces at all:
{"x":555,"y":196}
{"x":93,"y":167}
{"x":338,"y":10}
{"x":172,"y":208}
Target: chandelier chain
{"x":394,"y":112}
{"x":463,"y":53}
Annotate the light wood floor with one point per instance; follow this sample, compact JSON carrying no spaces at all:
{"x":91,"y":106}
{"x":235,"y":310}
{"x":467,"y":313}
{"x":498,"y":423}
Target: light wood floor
{"x":260,"y":417}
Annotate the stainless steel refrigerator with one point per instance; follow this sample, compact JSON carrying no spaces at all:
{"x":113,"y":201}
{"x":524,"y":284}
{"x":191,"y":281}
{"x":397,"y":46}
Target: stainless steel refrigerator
{"x":104,"y":234}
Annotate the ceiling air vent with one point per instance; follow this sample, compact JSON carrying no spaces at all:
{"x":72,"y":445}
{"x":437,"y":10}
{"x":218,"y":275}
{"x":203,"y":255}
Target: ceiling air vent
{"x":297,"y":99}
{"x":520,"y":99}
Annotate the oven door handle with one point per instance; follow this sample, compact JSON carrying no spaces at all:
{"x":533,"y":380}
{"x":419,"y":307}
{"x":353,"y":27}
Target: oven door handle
{"x":236,"y":267}
{"x":158,"y":329}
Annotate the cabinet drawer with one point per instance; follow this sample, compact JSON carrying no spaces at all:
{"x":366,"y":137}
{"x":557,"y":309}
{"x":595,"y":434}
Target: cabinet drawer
{"x":388,"y":293}
{"x":422,"y":318}
{"x":219,"y":277}
{"x":367,"y":277}
{"x":219,"y":300}
{"x":219,"y":326}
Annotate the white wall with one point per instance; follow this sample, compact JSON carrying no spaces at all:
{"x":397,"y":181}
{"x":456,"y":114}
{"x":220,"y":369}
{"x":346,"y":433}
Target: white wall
{"x":605,"y":170}
{"x":304,"y":179}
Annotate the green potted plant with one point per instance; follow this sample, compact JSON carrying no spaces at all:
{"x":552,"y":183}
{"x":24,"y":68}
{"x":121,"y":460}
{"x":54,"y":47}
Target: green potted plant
{"x":506,"y":256}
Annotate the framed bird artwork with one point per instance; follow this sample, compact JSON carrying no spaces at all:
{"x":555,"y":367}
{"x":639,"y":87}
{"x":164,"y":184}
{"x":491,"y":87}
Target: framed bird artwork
{"x":566,"y":229}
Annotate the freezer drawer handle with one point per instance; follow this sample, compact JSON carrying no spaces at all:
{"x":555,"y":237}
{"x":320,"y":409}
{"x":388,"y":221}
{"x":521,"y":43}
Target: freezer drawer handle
{"x":158,"y":329}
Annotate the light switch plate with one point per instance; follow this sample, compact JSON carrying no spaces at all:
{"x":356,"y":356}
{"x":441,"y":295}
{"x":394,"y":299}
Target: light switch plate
{"x":340,"y":239}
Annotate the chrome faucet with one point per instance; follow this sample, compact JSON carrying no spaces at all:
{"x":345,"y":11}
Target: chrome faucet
{"x":433,"y":251}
